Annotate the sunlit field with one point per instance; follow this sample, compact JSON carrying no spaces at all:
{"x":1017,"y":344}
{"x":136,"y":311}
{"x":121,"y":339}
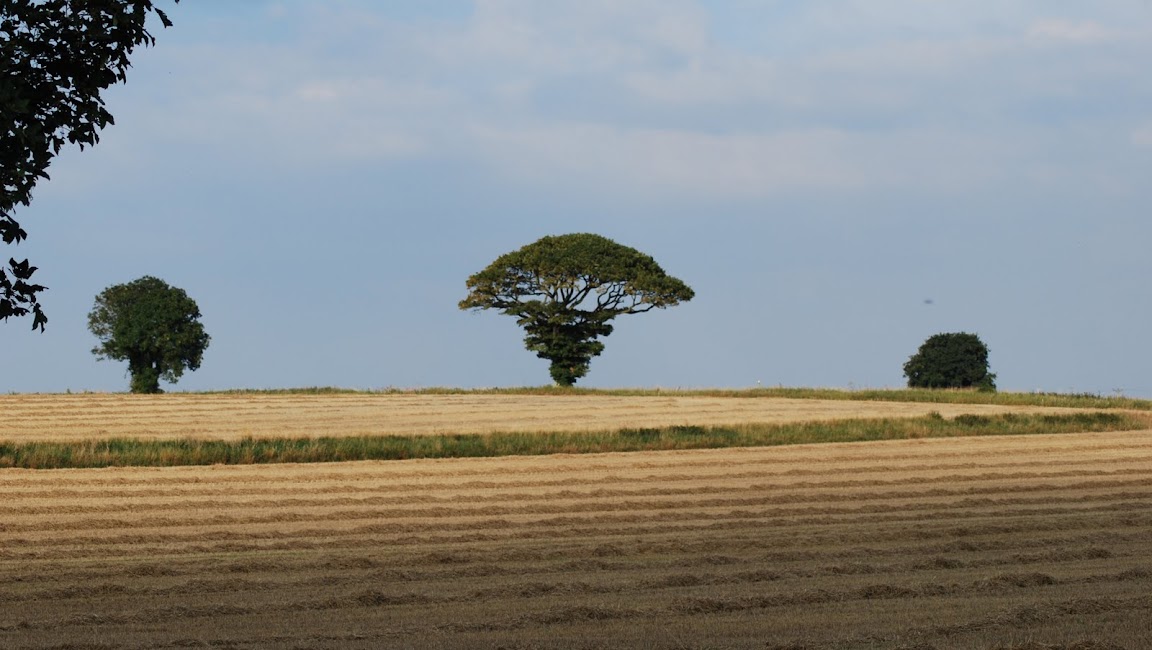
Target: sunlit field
{"x":265,"y":415}
{"x":1007,"y":541}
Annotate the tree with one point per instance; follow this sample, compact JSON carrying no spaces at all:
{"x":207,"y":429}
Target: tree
{"x":57,"y":56}
{"x":151,"y":325}
{"x":955,"y":360}
{"x":564,"y":290}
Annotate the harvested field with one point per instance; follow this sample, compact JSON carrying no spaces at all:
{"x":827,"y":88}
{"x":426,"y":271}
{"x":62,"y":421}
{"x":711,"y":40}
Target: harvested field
{"x":1034,"y":542}
{"x":231,"y":416}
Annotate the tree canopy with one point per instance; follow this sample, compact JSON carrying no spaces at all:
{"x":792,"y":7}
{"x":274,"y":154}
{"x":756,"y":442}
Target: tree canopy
{"x":57,"y":56}
{"x":952,"y":360}
{"x":564,"y":290}
{"x":153,"y":326}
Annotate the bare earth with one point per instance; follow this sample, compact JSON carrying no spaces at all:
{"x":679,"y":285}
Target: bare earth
{"x":88,"y":416}
{"x":1005,"y":542}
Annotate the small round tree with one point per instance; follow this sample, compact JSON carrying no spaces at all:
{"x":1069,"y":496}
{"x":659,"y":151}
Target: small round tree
{"x":564,"y":290}
{"x":953,"y":360}
{"x":154,"y":327}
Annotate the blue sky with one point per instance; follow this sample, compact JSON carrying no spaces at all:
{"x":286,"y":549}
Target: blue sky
{"x":322,"y":178}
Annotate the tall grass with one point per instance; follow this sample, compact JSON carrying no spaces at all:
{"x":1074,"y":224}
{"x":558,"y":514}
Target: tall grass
{"x":1070,"y":400}
{"x":161,"y":453}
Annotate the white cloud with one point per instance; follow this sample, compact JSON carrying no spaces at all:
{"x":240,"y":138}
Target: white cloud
{"x":645,"y":96}
{"x":372,"y":94}
{"x":564,"y":36}
{"x":717,"y":81}
{"x":318,"y":91}
{"x":742,"y":166}
{"x":1080,"y":32}
{"x":1142,"y":136}
{"x":282,"y":105}
{"x":315,"y":123}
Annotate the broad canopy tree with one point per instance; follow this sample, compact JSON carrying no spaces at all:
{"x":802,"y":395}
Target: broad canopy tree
{"x":56,"y":57}
{"x":564,"y":291}
{"x":153,"y":326}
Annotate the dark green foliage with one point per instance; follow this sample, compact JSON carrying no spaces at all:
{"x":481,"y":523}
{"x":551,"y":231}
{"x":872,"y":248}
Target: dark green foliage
{"x":955,"y":360}
{"x":154,"y":327}
{"x":564,"y":290}
{"x":57,"y":57}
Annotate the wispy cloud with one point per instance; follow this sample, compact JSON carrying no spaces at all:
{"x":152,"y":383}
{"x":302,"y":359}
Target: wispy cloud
{"x":740,"y":166}
{"x":645,"y":97}
{"x":1142,"y":136}
{"x":1073,"y":31}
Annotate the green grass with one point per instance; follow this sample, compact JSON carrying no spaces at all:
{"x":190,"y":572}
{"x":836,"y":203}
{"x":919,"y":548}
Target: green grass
{"x":163,"y":453}
{"x":1070,"y":400}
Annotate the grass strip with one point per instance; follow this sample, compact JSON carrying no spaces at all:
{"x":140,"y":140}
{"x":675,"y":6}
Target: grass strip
{"x":919,"y":395}
{"x":120,"y":452}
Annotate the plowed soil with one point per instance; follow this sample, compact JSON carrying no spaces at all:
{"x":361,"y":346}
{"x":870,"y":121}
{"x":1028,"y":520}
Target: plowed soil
{"x":1033,"y":542}
{"x":231,"y":416}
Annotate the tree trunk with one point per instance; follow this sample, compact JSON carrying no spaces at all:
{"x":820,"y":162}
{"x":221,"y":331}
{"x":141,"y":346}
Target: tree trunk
{"x":145,"y":377}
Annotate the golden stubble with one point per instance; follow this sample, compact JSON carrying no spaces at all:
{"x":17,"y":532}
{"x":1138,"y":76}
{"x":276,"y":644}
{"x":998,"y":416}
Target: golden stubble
{"x":30,"y":418}
{"x":943,"y":543}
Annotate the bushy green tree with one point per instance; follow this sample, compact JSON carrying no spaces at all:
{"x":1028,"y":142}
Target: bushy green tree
{"x":952,"y":360}
{"x":564,"y":290}
{"x":153,"y":326}
{"x":56,"y":57}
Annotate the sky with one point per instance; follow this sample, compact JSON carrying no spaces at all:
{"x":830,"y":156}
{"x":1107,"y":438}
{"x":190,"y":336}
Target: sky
{"x":837,"y":180}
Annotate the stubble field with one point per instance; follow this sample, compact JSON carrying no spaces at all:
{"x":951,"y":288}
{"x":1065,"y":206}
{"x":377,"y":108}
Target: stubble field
{"x":1002,"y":542}
{"x":232,"y":416}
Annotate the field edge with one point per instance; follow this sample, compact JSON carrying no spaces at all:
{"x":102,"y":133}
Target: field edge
{"x":135,"y":452}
